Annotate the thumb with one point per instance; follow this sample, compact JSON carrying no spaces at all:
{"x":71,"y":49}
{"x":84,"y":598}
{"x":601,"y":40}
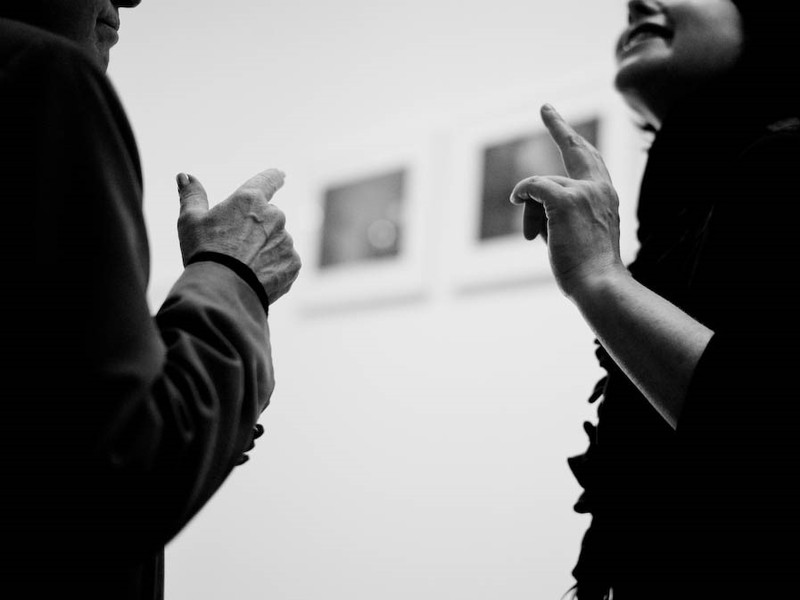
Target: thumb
{"x":192,"y":194}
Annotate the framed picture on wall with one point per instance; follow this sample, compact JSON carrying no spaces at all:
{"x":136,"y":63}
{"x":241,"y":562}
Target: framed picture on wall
{"x":506,"y":161}
{"x":491,"y":154}
{"x":369,"y":212}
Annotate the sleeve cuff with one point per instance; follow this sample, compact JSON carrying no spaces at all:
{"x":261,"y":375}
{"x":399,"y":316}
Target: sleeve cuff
{"x":238,"y":267}
{"x":702,"y":406}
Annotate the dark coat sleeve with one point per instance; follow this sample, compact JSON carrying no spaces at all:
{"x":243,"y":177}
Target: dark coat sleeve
{"x":119,"y":425}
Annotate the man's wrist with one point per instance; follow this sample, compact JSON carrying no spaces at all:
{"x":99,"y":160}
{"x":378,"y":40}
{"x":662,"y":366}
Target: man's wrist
{"x":238,"y":267}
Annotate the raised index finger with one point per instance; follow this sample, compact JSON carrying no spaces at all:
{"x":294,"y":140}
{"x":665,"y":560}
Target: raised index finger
{"x":579,"y":160}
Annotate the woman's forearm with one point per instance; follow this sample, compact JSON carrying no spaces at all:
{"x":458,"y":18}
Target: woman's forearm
{"x":655,"y":343}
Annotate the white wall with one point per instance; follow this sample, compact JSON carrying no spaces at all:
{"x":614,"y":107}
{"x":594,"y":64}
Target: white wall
{"x":413,"y":450}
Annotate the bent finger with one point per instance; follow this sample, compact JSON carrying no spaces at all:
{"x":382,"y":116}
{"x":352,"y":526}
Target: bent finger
{"x":539,"y":189}
{"x":534,"y":219}
{"x":264,"y":184}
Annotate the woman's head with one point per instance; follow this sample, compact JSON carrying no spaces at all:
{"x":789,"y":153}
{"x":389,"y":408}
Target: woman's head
{"x":672,"y":48}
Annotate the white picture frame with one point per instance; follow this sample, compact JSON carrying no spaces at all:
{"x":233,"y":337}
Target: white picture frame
{"x":351,"y":259}
{"x":508,"y":259}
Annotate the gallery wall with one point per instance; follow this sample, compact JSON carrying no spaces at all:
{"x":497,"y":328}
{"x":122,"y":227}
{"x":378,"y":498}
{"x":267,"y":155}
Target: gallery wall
{"x":427,"y":400}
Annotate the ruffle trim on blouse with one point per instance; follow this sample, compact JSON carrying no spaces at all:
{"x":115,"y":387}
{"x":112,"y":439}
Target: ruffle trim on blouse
{"x":591,"y":571}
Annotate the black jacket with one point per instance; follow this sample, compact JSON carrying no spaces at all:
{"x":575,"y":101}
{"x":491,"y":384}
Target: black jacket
{"x":116,"y":426}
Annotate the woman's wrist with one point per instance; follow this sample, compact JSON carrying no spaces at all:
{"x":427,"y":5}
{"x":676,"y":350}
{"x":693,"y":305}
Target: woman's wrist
{"x":597,"y":287}
{"x":655,"y":343}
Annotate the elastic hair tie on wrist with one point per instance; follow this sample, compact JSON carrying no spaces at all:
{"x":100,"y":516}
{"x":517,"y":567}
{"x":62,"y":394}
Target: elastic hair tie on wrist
{"x":238,"y":267}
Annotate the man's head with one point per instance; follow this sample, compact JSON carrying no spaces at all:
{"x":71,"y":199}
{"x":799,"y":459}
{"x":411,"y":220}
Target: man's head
{"x":93,"y":24}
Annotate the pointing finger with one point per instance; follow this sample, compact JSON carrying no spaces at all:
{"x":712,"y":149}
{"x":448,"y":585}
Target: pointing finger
{"x":192,"y":194}
{"x":264,"y":184}
{"x":576,"y":152}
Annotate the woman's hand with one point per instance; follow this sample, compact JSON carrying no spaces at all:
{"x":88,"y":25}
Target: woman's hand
{"x":582,"y":209}
{"x":654,"y":342}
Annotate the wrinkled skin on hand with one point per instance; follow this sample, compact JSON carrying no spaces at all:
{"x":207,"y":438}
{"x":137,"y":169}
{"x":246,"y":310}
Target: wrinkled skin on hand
{"x":582,"y":209}
{"x":245,"y":226}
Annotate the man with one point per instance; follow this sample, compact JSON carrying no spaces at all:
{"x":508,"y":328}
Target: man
{"x":116,"y":426}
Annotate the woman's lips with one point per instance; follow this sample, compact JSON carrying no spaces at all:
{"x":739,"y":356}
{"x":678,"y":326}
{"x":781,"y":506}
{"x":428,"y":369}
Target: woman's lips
{"x":642,"y":33}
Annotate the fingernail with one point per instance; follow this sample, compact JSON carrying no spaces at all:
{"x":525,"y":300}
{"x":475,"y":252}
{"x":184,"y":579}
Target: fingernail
{"x":183,"y":180}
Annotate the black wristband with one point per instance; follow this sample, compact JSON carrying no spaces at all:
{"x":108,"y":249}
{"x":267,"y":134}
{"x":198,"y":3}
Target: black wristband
{"x":238,"y":267}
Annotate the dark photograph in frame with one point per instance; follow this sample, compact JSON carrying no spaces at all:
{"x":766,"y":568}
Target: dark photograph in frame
{"x":363,"y":220}
{"x":504,"y":164}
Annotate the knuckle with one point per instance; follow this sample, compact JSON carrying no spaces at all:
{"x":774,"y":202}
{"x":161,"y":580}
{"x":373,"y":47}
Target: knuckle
{"x":275,"y":215}
{"x":574,"y":194}
{"x":606,"y":190}
{"x":575,"y":141}
{"x":247,"y":196}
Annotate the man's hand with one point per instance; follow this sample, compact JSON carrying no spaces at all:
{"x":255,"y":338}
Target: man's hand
{"x":582,"y":210}
{"x":245,"y":226}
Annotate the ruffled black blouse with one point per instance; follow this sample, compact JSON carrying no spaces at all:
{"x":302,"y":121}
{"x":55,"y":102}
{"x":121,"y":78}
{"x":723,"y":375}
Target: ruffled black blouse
{"x":682,"y":514}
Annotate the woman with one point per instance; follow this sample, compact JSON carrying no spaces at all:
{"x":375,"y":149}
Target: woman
{"x":691,"y":475}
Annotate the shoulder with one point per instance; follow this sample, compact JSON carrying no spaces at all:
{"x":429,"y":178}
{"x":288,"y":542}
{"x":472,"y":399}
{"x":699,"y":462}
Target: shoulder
{"x":754,"y":200}
{"x":777,"y":144}
{"x":38,"y":68}
{"x":765,"y":166}
{"x":754,"y":195}
{"x":45,"y":76}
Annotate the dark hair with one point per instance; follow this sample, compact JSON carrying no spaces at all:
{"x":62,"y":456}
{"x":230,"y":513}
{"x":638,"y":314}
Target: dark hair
{"x":763,"y":86}
{"x":768,"y":69}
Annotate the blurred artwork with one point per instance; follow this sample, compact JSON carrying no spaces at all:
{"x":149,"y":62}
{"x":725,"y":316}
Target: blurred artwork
{"x":363,"y":220}
{"x":506,"y":163}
